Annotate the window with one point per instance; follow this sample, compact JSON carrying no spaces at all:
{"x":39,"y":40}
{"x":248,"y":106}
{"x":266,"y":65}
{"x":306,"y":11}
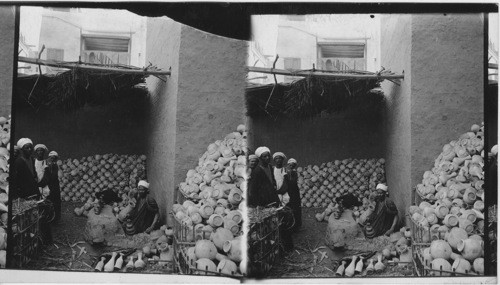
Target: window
{"x":342,"y":56}
{"x":292,"y":64}
{"x":106,"y":44}
{"x":105,"y":50}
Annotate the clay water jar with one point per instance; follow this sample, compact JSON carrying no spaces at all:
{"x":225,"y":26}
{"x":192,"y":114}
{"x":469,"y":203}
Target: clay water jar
{"x":461,"y":265}
{"x":359,"y":265}
{"x":455,"y":236}
{"x":455,"y":210}
{"x":432,"y":219}
{"x":119,"y":262}
{"x":478,"y":265}
{"x":370,"y":268}
{"x":426,"y":254}
{"x":469,"y":196}
{"x":407,"y":232}
{"x":110,"y":265}
{"x":479,"y":205}
{"x":206,"y":211}
{"x":466,"y":224}
{"x":215,"y":220}
{"x":235,"y":196}
{"x":340,"y":269}
{"x":139,"y":262}
{"x":441,"y":211}
{"x":469,"y":215}
{"x":232,"y":226}
{"x":439,"y":266}
{"x":130,"y":263}
{"x":379,"y":266}
{"x":450,"y":220}
{"x":369,"y":231}
{"x":100,"y":264}
{"x":470,"y":248}
{"x":233,"y":249}
{"x":434,"y":232}
{"x":349,"y":271}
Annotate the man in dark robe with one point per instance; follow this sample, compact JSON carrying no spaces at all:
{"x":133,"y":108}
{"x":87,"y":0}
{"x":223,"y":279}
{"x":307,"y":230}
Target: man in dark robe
{"x":145,"y":215}
{"x":292,"y":188}
{"x":262,"y":186}
{"x":24,"y":177}
{"x":384,"y":218}
{"x":51,"y":179}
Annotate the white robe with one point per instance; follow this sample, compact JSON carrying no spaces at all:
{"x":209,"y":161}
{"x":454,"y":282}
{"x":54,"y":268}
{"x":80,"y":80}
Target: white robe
{"x":40,"y":171}
{"x":279,"y":176}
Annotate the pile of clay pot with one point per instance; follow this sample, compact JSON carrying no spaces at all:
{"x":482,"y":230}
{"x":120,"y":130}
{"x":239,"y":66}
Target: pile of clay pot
{"x":4,"y":186}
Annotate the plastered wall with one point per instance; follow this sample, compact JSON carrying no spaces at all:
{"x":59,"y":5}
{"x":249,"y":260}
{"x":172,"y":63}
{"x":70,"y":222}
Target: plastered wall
{"x":440,"y":97}
{"x":163,"y":43}
{"x":200,"y":103}
{"x":396,"y":57}
{"x":447,"y":85}
{"x":7,"y":24}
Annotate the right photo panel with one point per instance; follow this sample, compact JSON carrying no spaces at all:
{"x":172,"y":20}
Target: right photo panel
{"x":372,"y":145}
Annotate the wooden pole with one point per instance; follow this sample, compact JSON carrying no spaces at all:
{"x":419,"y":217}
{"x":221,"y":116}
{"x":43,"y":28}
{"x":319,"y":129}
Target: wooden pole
{"x":70,"y":65}
{"x":323,"y":74}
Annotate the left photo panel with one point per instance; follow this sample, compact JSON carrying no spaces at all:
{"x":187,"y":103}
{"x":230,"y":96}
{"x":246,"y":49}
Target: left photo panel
{"x":7,"y":54}
{"x":129,"y":144}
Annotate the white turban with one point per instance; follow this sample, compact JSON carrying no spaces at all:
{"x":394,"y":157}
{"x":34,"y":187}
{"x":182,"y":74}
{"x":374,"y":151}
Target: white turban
{"x":382,"y":187}
{"x":252,"y":156}
{"x":53,"y":153}
{"x":143,"y":183}
{"x":40,"y":146}
{"x":292,"y":160}
{"x":279,"y":154}
{"x":22,"y":142}
{"x":261,"y":150}
{"x":494,"y":150}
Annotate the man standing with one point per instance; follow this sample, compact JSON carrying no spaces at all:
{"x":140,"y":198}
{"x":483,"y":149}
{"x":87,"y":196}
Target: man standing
{"x":279,"y":175}
{"x":51,"y":180}
{"x":40,"y":165}
{"x":144,"y":217}
{"x":293,"y":191}
{"x":262,"y":186}
{"x":25,"y":180}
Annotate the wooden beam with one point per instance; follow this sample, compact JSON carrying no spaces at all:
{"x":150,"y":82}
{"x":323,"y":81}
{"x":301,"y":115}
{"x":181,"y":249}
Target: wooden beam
{"x":324,"y":74}
{"x":493,"y":65}
{"x":71,"y":65}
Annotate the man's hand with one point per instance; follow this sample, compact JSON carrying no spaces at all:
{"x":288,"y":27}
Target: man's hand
{"x":148,"y":230}
{"x":389,"y":232}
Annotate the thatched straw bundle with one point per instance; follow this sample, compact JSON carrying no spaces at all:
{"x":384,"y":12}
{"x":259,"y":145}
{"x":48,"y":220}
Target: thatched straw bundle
{"x":72,"y":89}
{"x":311,"y":96}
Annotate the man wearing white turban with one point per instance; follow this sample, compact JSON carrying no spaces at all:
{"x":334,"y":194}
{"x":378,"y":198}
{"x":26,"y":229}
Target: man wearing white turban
{"x":24,"y":177}
{"x":384,"y":219}
{"x":262,"y":186}
{"x":279,"y":175}
{"x":145,"y":215}
{"x":41,"y":164}
{"x":292,"y":189}
{"x":50,"y":180}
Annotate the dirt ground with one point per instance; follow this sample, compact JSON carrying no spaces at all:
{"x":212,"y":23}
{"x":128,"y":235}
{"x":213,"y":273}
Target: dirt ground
{"x":306,"y":259}
{"x":69,"y":251}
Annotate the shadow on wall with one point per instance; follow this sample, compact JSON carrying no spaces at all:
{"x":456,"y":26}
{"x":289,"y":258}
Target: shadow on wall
{"x":118,"y":127}
{"x":350,"y":134}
